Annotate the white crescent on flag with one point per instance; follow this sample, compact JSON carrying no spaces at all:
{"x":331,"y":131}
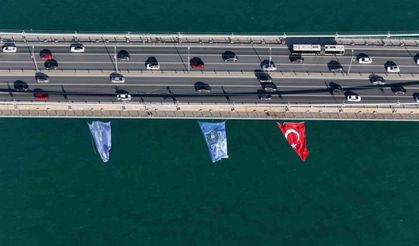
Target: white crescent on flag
{"x":289,"y":131}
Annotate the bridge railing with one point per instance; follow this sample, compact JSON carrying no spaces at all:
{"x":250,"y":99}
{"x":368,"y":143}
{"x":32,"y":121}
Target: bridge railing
{"x":213,"y":38}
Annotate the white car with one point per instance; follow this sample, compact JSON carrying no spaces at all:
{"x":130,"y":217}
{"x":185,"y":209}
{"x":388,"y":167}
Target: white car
{"x":153,"y":66}
{"x":9,"y":49}
{"x":123,"y":97}
{"x":42,"y":78}
{"x":353,"y":98}
{"x":269,"y":66}
{"x":365,"y":60}
{"x":393,"y":69}
{"x":117,"y":78}
{"x":77,"y":48}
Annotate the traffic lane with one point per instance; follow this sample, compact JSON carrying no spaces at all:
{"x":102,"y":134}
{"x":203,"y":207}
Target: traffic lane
{"x":280,"y":97}
{"x":209,"y":66}
{"x":98,"y":82}
{"x":285,"y":87}
{"x":181,"y":62}
{"x":110,"y":50}
{"x":159,"y":50}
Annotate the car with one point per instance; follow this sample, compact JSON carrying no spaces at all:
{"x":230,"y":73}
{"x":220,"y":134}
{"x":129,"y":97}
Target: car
{"x":393,"y":69}
{"x":123,"y":97}
{"x":268,"y":87}
{"x":263,"y":95}
{"x":353,"y":98}
{"x":123,"y":55}
{"x":229,"y":56}
{"x":264,"y":77}
{"x":197,"y":63}
{"x":416,"y":96}
{"x":45,"y":55}
{"x":268,"y":65}
{"x":417,"y":61}
{"x":9,"y":48}
{"x":202,"y":87}
{"x":335,"y":88}
{"x":77,"y":48}
{"x":335,"y":66}
{"x":51,"y":64}
{"x":117,"y":78}
{"x":20,"y":86}
{"x":40,"y":96}
{"x":41,"y":78}
{"x":377,"y":80}
{"x":152,"y":64}
{"x":398,"y":90}
{"x":296,"y":58}
{"x":365,"y":60}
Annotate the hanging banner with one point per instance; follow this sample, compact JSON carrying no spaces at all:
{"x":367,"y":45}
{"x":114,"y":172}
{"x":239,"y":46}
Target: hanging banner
{"x":295,"y":134}
{"x":216,"y":139}
{"x":101,"y":133}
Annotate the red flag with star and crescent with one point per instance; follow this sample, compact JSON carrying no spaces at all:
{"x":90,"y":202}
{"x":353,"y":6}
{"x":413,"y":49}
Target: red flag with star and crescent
{"x":295,"y":134}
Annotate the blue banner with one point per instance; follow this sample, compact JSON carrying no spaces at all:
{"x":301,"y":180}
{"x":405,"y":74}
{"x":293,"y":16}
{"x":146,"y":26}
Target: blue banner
{"x":101,"y":133}
{"x":216,"y":138}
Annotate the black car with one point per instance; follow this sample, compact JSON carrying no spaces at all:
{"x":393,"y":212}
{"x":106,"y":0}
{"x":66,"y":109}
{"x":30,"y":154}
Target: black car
{"x":377,"y":79}
{"x":264,"y":77}
{"x":20,"y":85}
{"x":51,"y":64}
{"x":295,"y":58}
{"x":123,"y":55}
{"x":335,"y":88}
{"x":335,"y":66}
{"x":263,"y":95}
{"x":229,"y":56}
{"x":269,"y":87}
{"x":202,"y":87}
{"x":398,"y":90}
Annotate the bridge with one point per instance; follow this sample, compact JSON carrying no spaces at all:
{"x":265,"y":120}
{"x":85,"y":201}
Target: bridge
{"x":79,"y":83}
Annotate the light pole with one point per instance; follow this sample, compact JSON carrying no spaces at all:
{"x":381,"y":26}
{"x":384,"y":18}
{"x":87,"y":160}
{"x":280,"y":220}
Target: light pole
{"x":189,"y":58}
{"x":350,"y":64}
{"x":34,"y":59}
{"x":116,"y":60}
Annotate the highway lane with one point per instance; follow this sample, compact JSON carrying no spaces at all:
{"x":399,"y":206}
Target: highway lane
{"x":225,"y":90}
{"x":172,"y":58}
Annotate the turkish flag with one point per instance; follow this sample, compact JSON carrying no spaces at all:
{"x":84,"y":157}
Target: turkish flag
{"x":295,"y":134}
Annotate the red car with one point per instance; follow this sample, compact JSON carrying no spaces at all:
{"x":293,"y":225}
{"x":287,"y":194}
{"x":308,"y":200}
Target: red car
{"x":45,"y":55}
{"x":41,"y":96}
{"x":197,"y":63}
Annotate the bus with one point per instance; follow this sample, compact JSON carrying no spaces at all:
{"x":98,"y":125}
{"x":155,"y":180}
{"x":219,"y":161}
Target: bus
{"x":317,"y":49}
{"x":334,"y":49}
{"x":314,"y":49}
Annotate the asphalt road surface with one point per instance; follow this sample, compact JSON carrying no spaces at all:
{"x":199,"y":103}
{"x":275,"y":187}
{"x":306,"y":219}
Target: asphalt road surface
{"x":233,"y":90}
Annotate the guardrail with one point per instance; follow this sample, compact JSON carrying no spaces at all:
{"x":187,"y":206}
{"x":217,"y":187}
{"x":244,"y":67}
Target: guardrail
{"x":272,"y":38}
{"x":395,"y":112}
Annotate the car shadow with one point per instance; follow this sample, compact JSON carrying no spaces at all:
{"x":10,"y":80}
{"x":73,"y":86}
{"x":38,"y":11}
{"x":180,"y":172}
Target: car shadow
{"x":333,"y":64}
{"x":361,"y":55}
{"x":389,"y":64}
{"x":150,"y":60}
{"x":20,"y":85}
{"x":416,"y":57}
